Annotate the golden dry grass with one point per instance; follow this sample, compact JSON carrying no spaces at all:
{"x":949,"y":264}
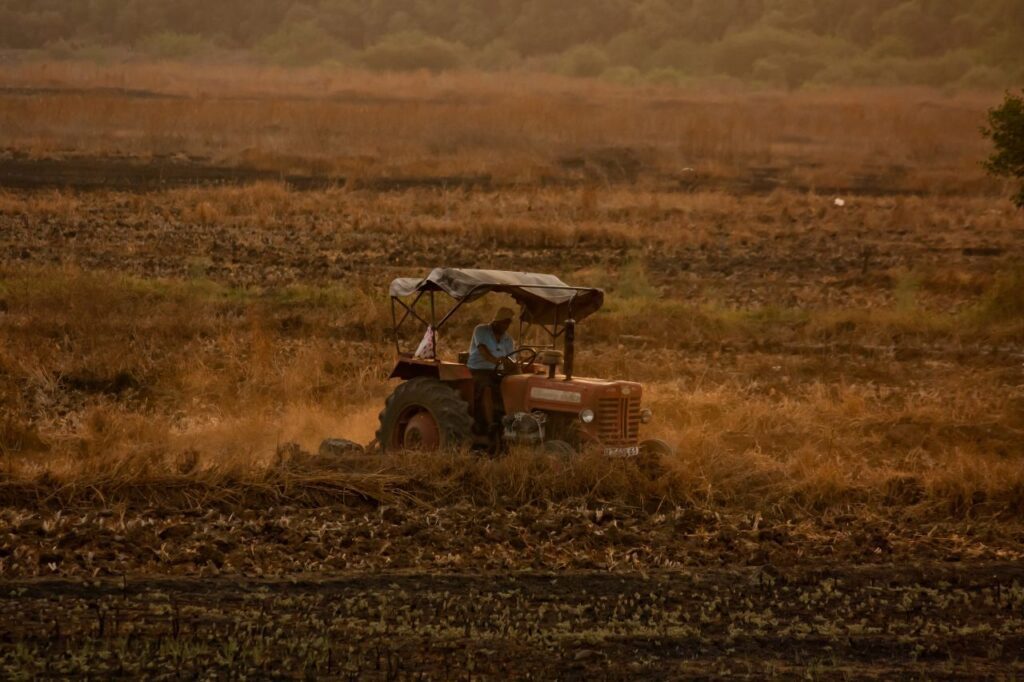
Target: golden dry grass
{"x":209,"y":383}
{"x":512,"y":128}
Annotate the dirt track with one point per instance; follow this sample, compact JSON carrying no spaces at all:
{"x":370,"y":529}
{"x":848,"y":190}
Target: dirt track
{"x":127,"y":174}
{"x":603,"y":166}
{"x":943,"y":621}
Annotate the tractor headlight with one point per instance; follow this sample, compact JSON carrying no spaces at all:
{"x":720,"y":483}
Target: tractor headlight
{"x":587,"y":416}
{"x":646,"y":415}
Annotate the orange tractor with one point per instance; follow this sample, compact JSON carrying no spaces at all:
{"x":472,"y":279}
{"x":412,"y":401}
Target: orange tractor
{"x":542,"y":403}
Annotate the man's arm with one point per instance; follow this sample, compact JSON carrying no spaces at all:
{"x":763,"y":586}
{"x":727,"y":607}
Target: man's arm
{"x":485,"y":351}
{"x":488,"y":355}
{"x":483,"y":348}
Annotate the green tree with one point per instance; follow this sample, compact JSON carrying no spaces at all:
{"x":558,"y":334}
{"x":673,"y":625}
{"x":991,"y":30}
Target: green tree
{"x":1006,"y":130}
{"x":300,"y":44}
{"x":964,"y":43}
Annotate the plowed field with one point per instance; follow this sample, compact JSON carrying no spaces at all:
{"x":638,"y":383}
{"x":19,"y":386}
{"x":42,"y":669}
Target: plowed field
{"x":187,"y":309}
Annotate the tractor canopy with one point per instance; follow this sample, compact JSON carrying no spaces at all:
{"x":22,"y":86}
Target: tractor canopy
{"x":545,"y":299}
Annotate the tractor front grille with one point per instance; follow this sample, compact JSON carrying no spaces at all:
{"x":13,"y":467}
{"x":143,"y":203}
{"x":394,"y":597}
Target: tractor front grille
{"x":618,"y":420}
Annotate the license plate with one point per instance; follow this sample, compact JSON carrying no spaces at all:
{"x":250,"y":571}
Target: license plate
{"x":632,"y":451}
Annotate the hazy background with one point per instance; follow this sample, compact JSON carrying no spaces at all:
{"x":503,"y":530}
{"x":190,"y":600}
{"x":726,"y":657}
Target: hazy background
{"x":788,"y":43}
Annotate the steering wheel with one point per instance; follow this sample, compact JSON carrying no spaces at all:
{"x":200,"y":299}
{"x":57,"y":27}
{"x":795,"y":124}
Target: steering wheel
{"x":511,"y":365}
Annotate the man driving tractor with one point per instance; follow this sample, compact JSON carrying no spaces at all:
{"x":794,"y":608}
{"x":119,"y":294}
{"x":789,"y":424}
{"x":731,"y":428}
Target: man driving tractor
{"x":443,"y":404}
{"x":488,"y":351}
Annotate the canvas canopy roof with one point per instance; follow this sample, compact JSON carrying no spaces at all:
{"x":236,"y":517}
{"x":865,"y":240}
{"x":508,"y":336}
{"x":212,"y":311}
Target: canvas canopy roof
{"x":545,"y":298}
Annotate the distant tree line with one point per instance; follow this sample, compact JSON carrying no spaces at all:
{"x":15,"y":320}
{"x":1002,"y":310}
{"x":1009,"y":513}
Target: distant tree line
{"x":781,"y":42}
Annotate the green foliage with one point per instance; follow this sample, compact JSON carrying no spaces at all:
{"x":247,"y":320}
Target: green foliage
{"x":738,"y":52}
{"x":633,"y":281}
{"x":411,"y":50}
{"x":682,"y":55}
{"x":299,"y":44}
{"x":497,"y":55}
{"x":1006,"y":130}
{"x":781,"y":42}
{"x":985,"y":77}
{"x":626,"y":75}
{"x":584,"y":60}
{"x":171,"y":45}
{"x":664,"y":76}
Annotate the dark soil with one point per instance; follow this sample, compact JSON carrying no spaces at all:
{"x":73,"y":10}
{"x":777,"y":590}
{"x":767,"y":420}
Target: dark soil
{"x":938,"y":621}
{"x":602,"y":167}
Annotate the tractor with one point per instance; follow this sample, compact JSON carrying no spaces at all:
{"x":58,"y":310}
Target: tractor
{"x":543,"y":404}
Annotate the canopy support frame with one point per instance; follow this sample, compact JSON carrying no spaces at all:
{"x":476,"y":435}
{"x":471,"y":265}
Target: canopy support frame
{"x":554,"y":331}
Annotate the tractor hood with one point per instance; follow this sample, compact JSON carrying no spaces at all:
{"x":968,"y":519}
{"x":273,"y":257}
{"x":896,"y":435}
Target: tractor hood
{"x":545,"y":298}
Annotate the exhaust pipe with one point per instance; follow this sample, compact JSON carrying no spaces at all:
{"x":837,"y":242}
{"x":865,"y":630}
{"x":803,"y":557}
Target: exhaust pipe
{"x":570,"y":348}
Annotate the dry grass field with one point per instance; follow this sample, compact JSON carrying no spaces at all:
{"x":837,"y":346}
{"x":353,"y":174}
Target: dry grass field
{"x":193,"y":276}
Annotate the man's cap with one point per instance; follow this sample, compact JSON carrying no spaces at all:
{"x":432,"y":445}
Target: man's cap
{"x":503,"y":313}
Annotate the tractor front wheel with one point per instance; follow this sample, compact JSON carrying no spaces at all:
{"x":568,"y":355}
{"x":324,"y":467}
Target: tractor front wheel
{"x":426,"y":415}
{"x":559,"y":449}
{"x":653,"y":454}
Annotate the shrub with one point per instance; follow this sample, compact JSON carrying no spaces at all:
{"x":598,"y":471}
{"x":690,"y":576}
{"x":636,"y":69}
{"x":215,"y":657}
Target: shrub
{"x":300,"y":44}
{"x":629,"y":47}
{"x":584,"y":60}
{"x":983,"y":77}
{"x":1006,"y":130}
{"x":171,"y":45}
{"x":412,"y":50}
{"x":626,"y":75}
{"x":737,"y":53}
{"x":664,"y":76}
{"x":498,"y":55}
{"x":936,"y":71}
{"x":769,"y":71}
{"x":683,"y":55}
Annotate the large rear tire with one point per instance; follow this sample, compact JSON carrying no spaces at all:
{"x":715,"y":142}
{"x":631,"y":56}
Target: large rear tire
{"x":424,"y":414}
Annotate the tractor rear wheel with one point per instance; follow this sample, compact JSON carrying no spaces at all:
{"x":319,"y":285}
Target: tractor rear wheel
{"x":424,"y":414}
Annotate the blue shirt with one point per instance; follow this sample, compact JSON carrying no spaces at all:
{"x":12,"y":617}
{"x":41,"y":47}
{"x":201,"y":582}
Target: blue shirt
{"x":484,"y":335}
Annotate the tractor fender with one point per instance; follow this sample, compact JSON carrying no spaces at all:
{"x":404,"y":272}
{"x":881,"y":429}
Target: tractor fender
{"x":410,"y":368}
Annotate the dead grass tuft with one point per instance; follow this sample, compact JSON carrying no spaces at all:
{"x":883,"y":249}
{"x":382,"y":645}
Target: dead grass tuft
{"x":19,"y":435}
